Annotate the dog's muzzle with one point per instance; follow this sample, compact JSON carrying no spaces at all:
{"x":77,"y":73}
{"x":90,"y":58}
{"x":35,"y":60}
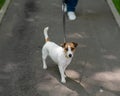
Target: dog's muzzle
{"x":70,"y":55}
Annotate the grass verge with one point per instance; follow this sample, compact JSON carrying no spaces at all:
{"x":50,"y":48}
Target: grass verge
{"x":2,"y":3}
{"x":117,"y":5}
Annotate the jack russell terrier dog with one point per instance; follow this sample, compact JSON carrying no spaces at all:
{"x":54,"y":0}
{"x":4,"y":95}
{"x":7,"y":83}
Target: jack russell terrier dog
{"x":62,"y":55}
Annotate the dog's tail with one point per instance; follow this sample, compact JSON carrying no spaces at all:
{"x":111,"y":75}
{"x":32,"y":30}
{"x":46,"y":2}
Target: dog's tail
{"x":46,"y":34}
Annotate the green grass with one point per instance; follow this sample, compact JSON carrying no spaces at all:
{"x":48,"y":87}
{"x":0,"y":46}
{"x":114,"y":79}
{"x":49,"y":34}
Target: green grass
{"x":1,"y":3}
{"x":117,"y":5}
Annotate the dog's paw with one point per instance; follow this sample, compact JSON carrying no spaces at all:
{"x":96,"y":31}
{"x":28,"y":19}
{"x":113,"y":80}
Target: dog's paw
{"x":44,"y":67}
{"x":63,"y":81}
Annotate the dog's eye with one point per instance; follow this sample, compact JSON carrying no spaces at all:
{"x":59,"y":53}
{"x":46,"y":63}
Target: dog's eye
{"x":72,"y":49}
{"x":66,"y":49}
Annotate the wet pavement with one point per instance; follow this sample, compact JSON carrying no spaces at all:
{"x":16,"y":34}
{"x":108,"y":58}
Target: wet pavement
{"x":96,"y":60}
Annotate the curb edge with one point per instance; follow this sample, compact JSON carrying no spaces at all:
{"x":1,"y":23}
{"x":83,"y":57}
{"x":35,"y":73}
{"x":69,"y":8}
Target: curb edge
{"x":114,"y":11}
{"x":4,"y":9}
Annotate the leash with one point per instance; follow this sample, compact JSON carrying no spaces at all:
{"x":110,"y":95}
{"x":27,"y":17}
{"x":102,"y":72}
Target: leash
{"x":64,"y":20}
{"x":64,"y":31}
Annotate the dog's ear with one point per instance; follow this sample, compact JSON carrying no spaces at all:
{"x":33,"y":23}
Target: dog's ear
{"x":63,"y":45}
{"x":75,"y":44}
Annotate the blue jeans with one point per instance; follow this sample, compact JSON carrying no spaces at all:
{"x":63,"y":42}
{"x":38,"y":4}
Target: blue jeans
{"x":71,"y":4}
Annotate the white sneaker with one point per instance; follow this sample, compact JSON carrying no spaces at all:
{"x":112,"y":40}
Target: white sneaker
{"x":71,"y":15}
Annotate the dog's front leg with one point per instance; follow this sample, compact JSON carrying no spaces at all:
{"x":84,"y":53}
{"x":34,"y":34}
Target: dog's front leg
{"x":61,"y":69}
{"x":64,"y":68}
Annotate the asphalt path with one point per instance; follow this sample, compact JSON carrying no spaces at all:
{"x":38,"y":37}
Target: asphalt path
{"x":97,"y":56}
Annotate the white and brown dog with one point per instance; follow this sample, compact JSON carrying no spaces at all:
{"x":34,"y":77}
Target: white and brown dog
{"x":62,"y":55}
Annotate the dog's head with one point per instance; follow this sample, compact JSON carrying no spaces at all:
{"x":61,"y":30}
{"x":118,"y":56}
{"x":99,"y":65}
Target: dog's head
{"x":69,"y":48}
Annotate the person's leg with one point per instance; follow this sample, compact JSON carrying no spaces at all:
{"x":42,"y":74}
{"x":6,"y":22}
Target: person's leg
{"x":71,"y":5}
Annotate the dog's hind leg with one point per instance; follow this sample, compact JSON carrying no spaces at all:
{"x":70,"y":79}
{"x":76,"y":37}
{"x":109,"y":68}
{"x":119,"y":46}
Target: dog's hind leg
{"x":44,"y":56}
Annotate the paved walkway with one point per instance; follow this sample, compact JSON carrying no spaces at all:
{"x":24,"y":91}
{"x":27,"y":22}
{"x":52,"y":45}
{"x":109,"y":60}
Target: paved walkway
{"x":21,"y":40}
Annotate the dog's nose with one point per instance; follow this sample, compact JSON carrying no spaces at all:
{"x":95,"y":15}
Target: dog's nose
{"x":70,"y":55}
